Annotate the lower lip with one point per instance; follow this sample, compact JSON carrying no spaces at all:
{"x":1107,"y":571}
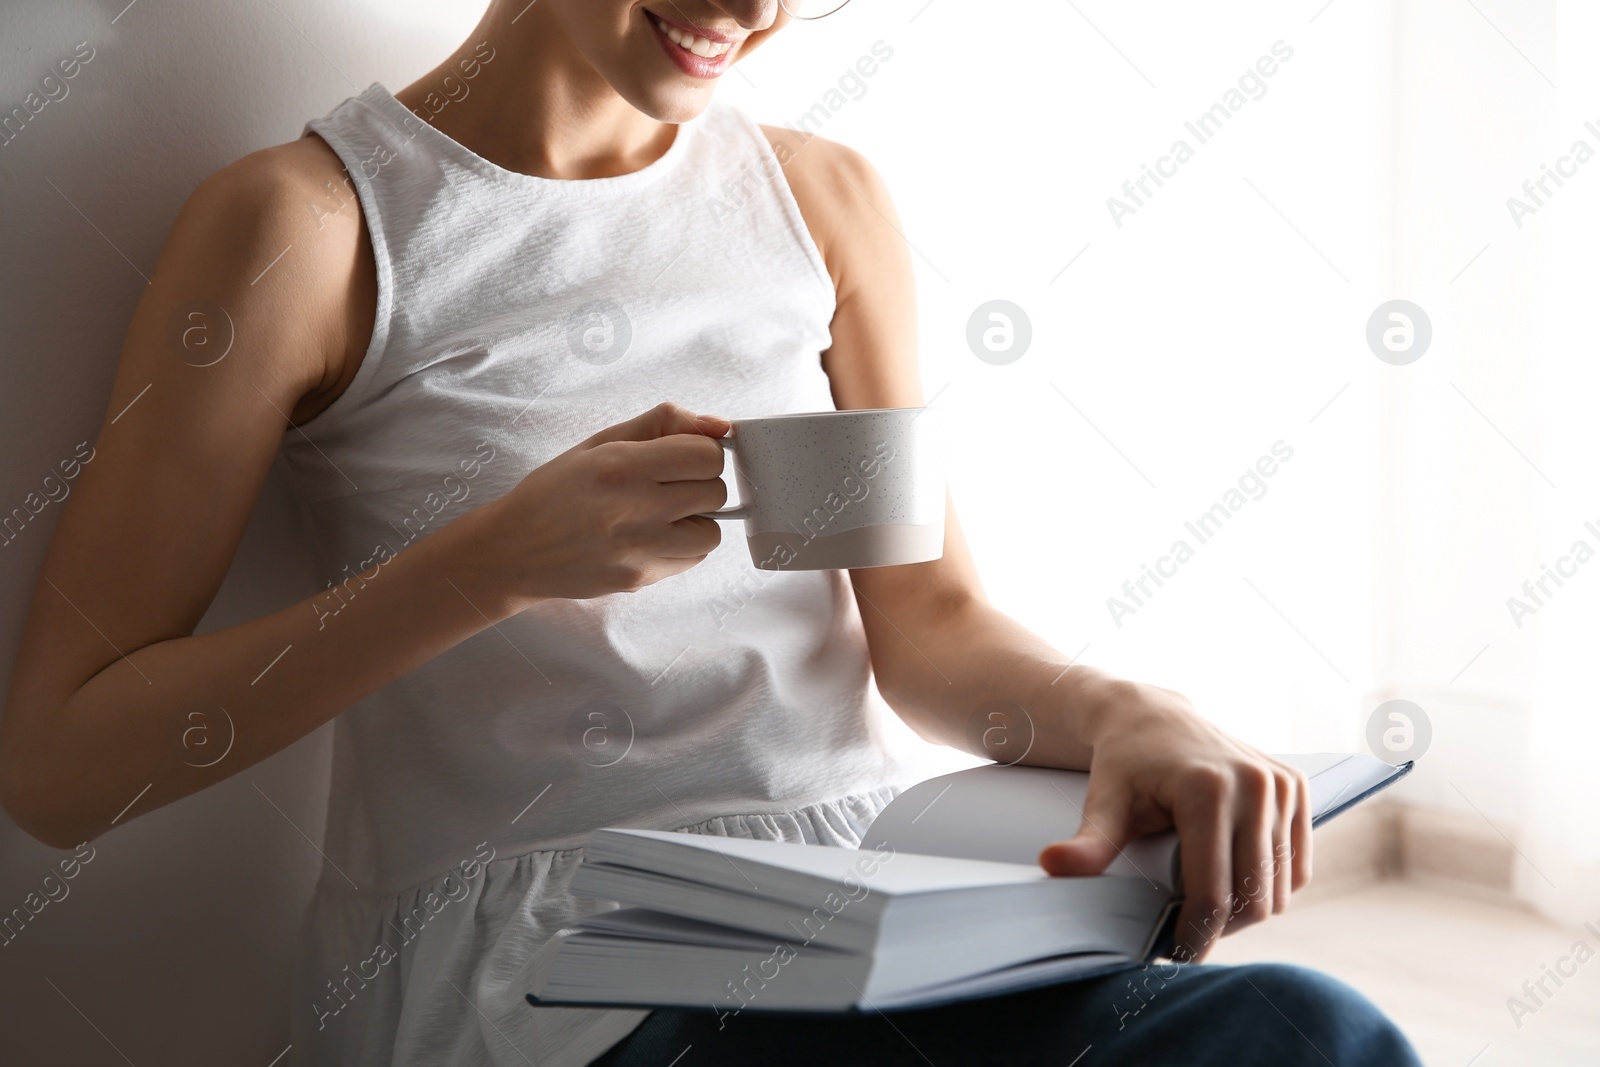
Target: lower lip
{"x":691,"y":64}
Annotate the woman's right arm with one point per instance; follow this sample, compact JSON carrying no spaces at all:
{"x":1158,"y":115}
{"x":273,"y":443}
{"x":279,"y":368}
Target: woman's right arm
{"x":109,"y":684}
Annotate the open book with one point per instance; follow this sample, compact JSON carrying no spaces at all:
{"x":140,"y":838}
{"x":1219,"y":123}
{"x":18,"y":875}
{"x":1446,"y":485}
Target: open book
{"x":944,"y":900}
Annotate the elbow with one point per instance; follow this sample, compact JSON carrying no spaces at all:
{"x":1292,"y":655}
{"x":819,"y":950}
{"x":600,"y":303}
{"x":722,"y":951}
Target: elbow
{"x":43,"y":821}
{"x":894,"y":690}
{"x":905,"y":676}
{"x":33,"y":800}
{"x":902,"y":697}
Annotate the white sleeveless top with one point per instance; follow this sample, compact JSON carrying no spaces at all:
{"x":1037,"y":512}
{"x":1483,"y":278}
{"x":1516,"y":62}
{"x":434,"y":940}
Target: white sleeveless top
{"x":516,"y":316}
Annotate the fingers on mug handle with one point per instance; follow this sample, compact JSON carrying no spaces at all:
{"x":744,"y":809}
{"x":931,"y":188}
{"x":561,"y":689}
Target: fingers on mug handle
{"x":737,"y":511}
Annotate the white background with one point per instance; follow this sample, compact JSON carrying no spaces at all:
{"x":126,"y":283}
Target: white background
{"x":1229,"y":313}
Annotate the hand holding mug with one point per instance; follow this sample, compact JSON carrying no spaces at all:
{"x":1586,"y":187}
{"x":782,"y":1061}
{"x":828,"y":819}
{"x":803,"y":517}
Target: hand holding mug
{"x":620,"y":511}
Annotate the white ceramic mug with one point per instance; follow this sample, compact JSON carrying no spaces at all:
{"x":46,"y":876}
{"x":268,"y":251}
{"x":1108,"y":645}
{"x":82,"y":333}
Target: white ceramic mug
{"x":830,"y":489}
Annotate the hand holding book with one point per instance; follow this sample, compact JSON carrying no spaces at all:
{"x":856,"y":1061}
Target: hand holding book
{"x":943,"y":901}
{"x":1243,"y":817}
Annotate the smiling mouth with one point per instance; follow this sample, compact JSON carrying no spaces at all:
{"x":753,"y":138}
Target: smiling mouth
{"x":688,"y":42}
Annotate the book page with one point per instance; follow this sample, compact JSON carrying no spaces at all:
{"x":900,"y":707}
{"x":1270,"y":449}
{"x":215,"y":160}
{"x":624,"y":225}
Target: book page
{"x":785,"y":870}
{"x":1008,"y":814}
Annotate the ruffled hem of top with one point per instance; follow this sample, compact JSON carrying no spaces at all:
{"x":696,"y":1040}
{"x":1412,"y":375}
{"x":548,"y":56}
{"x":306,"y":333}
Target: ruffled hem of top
{"x":437,"y":973}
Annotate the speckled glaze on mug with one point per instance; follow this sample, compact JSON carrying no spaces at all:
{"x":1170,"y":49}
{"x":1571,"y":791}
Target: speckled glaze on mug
{"x":831,"y":489}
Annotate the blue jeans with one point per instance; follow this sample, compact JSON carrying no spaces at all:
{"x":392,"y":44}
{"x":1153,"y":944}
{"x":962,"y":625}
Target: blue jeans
{"x":1257,"y":1015}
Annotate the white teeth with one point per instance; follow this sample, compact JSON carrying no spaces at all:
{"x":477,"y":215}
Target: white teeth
{"x":700,"y":46}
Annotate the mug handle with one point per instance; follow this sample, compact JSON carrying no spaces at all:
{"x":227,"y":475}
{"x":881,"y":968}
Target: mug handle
{"x":738,"y":511}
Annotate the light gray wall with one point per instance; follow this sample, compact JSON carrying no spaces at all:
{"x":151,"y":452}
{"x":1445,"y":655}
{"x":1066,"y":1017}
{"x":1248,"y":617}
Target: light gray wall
{"x":175,"y":941}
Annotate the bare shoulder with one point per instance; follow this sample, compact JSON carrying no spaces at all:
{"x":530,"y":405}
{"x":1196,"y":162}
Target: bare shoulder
{"x":873,"y":359}
{"x":277,"y":238}
{"x":842,"y":198}
{"x":295,"y":195}
{"x":815,"y":160}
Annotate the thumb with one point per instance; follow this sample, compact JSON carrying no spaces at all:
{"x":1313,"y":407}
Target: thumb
{"x":663,"y":420}
{"x":1105,"y":830}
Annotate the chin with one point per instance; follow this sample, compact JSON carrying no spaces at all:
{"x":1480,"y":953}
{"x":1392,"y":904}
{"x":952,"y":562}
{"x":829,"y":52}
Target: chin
{"x":665,"y":97}
{"x":672,"y":104}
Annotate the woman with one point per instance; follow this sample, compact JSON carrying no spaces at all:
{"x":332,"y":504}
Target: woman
{"x":458,"y":300}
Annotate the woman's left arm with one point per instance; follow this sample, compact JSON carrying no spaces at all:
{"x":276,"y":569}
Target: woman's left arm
{"x":963,"y":674}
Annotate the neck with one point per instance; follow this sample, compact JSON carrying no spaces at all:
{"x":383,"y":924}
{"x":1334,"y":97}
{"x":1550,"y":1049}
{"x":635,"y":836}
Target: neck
{"x":536,"y":105}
